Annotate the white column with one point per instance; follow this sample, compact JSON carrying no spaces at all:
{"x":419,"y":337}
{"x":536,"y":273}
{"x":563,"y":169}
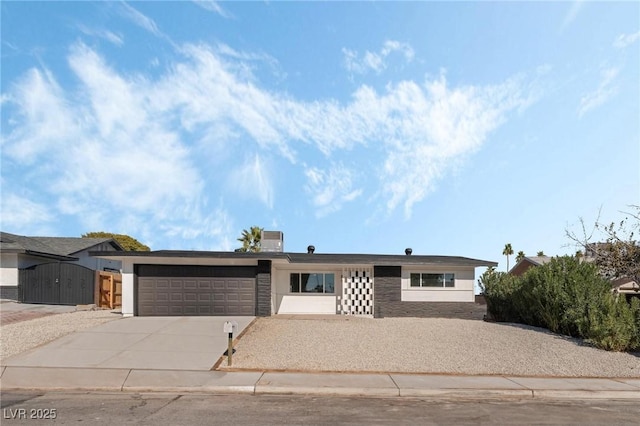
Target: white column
{"x":127,"y":288}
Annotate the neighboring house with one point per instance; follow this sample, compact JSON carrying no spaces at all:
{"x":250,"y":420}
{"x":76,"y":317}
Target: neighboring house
{"x":45,"y":261}
{"x":170,"y":282}
{"x":624,"y":286}
{"x":528,"y":262}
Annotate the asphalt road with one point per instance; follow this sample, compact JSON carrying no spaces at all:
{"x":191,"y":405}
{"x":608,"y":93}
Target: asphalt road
{"x":158,"y":408}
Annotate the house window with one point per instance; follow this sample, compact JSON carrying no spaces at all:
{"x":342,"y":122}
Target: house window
{"x":432,"y":280}
{"x":312,"y":283}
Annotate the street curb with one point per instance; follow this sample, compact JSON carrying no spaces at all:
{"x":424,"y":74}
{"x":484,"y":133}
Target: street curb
{"x":326,"y":391}
{"x":46,"y":379}
{"x":585,"y":394}
{"x":469,"y":393}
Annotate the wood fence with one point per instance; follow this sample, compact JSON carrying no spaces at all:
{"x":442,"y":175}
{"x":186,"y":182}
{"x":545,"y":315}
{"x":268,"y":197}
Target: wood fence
{"x":108,"y":289}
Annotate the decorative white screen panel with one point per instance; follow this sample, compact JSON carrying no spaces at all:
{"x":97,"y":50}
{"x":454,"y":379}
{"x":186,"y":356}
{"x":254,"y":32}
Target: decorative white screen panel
{"x":357,"y":291}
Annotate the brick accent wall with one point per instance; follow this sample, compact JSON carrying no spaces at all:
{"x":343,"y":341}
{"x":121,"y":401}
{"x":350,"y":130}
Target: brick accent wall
{"x":263,"y":290}
{"x":387,"y":287}
{"x":460,"y":310}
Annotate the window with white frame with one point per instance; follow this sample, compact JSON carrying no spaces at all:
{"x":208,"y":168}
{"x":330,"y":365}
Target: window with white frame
{"x":315,"y":282}
{"x":431,"y":280}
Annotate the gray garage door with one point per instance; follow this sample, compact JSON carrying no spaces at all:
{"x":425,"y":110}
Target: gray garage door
{"x":164,"y":290}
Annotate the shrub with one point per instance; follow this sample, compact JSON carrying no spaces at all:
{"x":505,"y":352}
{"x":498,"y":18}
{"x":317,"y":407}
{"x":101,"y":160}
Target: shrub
{"x":614,"y":326}
{"x":499,"y":289}
{"x":566,"y":296}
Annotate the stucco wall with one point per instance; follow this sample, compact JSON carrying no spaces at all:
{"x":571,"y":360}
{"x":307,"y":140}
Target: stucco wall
{"x":9,"y":276}
{"x":462,"y":291}
{"x":304,"y":303}
{"x":9,"y":269}
{"x":128,"y":297}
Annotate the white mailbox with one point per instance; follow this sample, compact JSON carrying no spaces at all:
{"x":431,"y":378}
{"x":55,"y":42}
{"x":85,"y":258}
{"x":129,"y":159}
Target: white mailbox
{"x":230,"y":327}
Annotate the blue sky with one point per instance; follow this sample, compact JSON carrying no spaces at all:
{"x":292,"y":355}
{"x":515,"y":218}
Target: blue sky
{"x":451,"y":128}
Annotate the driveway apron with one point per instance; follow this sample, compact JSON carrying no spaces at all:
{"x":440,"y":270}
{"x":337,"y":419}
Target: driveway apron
{"x":161,"y":343}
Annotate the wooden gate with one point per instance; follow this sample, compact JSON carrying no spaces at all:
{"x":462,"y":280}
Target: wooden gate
{"x":56,"y":284}
{"x":109,"y":289}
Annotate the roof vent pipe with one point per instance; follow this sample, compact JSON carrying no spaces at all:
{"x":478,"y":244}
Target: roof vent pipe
{"x":311,"y":249}
{"x":408,"y":251}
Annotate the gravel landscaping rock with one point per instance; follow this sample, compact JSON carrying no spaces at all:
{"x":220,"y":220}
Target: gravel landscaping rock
{"x":423,"y":345}
{"x":21,"y":336}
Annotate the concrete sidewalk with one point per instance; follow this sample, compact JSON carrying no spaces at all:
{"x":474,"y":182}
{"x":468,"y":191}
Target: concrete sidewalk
{"x":16,"y":378}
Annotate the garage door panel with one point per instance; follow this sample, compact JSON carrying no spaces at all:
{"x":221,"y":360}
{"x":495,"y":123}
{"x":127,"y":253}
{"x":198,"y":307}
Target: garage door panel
{"x":246,"y":298}
{"x":205,"y":298}
{"x":196,"y":295}
{"x":204,"y":284}
{"x":247,"y":285}
{"x":190,"y":284}
{"x":190,"y":297}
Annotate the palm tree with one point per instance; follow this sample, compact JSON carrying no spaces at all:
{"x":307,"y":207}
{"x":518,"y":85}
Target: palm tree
{"x":540,"y":253}
{"x":250,"y":239}
{"x":520,"y":256}
{"x":508,"y":251}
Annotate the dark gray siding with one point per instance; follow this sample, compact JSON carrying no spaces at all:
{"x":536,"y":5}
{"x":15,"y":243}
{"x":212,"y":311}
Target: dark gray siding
{"x":263,"y":293}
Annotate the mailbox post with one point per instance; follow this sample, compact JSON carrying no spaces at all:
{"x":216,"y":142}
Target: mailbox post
{"x":229,"y":327}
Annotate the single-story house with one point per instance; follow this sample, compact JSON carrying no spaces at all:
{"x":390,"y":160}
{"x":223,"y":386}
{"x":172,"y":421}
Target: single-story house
{"x":169,"y":282}
{"x":52,"y":270}
{"x":526,"y":263}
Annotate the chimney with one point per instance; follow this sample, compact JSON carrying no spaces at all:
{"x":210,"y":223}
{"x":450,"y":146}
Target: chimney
{"x":408,"y":251}
{"x":311,"y":249}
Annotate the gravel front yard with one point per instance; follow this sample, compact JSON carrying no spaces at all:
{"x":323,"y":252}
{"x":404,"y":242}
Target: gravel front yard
{"x":426,"y":345}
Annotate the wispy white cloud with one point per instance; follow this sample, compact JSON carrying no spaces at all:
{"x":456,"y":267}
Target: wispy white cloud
{"x":444,"y":126}
{"x":140,"y":19}
{"x":213,"y":6}
{"x":42,"y":107}
{"x":571,"y":14}
{"x":104,"y":143}
{"x":605,"y":91}
{"x":129,"y":139}
{"x":117,"y":39}
{"x":625,"y":40}
{"x":375,"y":61}
{"x":331,"y":188}
{"x":253,"y":181}
{"x":19,"y":212}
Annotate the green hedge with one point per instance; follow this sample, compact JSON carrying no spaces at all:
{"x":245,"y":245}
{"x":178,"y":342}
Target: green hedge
{"x":567,"y":296}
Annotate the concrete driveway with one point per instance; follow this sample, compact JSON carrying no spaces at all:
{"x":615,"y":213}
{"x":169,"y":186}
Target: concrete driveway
{"x":160,"y":343}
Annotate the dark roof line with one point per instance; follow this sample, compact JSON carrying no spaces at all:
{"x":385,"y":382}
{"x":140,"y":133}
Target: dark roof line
{"x":318,"y":258}
{"x":61,"y":248}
